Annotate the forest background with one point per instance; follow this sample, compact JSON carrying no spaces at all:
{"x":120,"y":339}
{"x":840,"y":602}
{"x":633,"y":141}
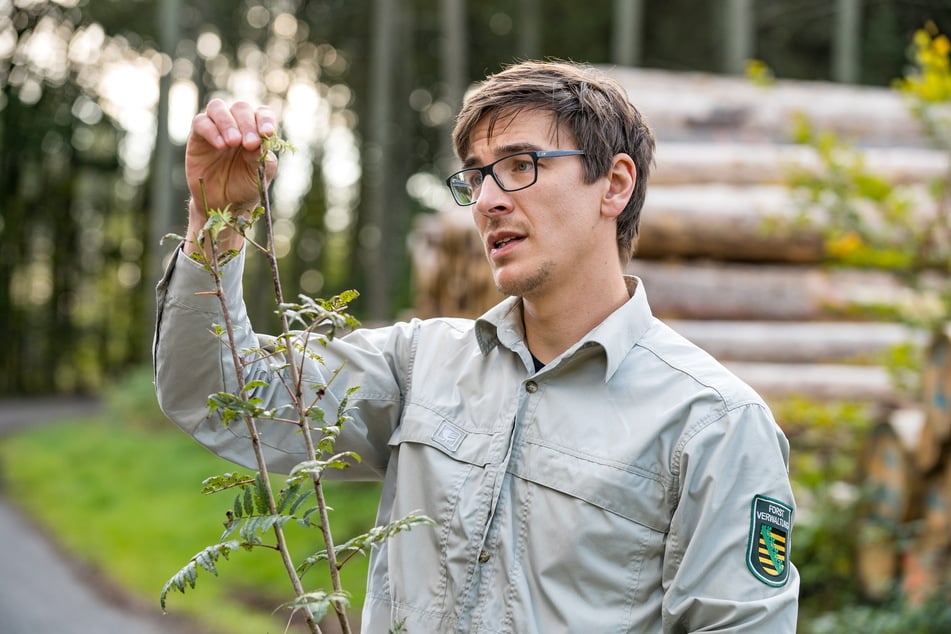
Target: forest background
{"x":97,"y":98}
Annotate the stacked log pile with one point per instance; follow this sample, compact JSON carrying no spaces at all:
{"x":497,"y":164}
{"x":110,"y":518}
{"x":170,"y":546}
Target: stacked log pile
{"x":720,"y":267}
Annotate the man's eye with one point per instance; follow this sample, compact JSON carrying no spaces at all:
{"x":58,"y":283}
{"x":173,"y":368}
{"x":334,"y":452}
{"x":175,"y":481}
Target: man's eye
{"x":523,"y":166}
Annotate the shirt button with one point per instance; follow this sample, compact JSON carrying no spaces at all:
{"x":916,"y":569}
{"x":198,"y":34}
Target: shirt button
{"x":531,"y":387}
{"x":484,"y":557}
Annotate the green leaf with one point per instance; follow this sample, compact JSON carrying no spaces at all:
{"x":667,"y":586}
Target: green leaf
{"x":249,"y":501}
{"x":287,"y":495}
{"x":319,"y":602}
{"x":261,"y":495}
{"x":362,"y":543}
{"x":231,"y":407}
{"x":251,"y":385}
{"x":205,"y":559}
{"x":229,"y":480}
{"x":316,"y":467}
{"x":300,"y":500}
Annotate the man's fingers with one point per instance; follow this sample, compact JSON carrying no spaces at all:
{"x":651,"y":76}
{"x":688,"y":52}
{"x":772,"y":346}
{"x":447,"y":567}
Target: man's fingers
{"x":204,"y":127}
{"x":267,"y":124}
{"x":247,"y":127}
{"x":227,"y":126}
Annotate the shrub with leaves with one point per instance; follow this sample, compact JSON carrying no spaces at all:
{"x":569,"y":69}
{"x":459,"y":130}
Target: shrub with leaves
{"x":258,"y":517}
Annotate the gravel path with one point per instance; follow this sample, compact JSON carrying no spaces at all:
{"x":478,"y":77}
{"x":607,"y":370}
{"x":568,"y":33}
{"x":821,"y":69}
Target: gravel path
{"x":43,"y":590}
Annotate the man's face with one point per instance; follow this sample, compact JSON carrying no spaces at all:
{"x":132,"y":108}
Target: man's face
{"x":551,"y":236}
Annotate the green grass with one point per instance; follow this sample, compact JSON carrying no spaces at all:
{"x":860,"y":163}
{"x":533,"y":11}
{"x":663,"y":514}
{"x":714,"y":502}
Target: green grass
{"x":126,"y":499}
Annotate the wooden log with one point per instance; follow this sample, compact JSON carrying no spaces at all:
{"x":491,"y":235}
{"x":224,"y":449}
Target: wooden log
{"x":817,"y":381}
{"x":936,"y":398}
{"x":755,"y":223}
{"x":925,"y":565}
{"x":796,"y":342}
{"x":733,"y":108}
{"x":726,"y":223}
{"x":734,"y":291}
{"x":729,"y":163}
{"x":889,"y":482}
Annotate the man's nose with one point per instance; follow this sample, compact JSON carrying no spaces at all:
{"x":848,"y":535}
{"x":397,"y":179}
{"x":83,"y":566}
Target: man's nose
{"x":492,"y":198}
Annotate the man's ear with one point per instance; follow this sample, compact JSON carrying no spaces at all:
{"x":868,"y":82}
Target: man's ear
{"x":621,"y":179}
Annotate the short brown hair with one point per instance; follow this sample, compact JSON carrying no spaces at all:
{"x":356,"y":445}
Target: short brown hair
{"x":582,"y":100}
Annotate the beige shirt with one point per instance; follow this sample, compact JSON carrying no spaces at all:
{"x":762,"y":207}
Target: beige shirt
{"x":631,"y":485}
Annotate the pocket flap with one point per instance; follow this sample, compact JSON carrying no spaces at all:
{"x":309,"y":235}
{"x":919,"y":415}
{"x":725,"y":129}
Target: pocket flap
{"x":424,"y":426}
{"x":637,"y":496}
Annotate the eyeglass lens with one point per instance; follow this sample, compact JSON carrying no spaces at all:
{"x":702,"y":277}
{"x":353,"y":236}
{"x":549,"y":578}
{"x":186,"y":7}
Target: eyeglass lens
{"x":511,"y":173}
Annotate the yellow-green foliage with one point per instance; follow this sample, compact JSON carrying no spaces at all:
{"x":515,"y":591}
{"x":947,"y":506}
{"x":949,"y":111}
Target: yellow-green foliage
{"x":868,"y":221}
{"x":930,"y":79}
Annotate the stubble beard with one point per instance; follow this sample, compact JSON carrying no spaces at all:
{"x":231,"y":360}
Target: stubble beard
{"x":521,"y":287}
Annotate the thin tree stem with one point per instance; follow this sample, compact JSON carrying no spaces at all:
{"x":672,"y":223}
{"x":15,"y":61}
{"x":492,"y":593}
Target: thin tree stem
{"x":260,"y":460}
{"x":297,"y":398}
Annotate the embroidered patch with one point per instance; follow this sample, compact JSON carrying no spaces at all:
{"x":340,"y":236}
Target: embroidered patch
{"x":449,"y":436}
{"x":768,"y":552}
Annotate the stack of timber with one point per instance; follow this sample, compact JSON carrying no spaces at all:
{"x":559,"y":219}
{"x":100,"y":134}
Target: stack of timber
{"x":722,"y":267}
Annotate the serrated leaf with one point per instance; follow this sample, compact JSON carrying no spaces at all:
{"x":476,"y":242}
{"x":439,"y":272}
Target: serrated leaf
{"x":300,"y":500}
{"x":206,"y":559}
{"x":287,"y":495}
{"x":319,"y":602}
{"x":214,"y":484}
{"x":248,"y":501}
{"x":362,"y":543}
{"x":316,"y":468}
{"x":261,"y":495}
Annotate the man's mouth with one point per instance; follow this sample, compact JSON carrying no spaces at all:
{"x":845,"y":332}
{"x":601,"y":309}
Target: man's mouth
{"x":501,"y":243}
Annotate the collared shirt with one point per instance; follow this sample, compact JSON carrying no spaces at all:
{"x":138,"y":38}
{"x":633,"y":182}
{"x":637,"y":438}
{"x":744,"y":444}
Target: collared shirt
{"x":621,"y":488}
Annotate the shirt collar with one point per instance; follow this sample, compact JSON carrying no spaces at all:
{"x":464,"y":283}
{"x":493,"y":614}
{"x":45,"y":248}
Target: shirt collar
{"x":615,"y":336}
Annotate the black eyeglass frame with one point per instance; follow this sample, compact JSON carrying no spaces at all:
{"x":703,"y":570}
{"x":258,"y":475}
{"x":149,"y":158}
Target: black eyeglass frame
{"x":489,"y":170}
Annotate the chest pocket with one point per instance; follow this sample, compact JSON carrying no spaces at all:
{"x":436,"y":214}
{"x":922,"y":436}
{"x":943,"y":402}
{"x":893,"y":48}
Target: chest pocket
{"x":596,"y":529}
{"x":443,"y":470}
{"x":423,"y":426}
{"x":627,"y":492}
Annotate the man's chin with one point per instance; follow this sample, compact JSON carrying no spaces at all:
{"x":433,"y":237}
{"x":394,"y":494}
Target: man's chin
{"x":520,"y":285}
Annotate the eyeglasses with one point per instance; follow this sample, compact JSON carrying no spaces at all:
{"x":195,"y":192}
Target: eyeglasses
{"x":511,"y":173}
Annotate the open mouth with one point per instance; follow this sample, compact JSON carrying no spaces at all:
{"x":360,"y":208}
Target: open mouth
{"x":504,"y":241}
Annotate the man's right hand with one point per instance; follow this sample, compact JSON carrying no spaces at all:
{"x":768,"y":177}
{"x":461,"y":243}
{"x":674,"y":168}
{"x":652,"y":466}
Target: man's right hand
{"x":222,"y":152}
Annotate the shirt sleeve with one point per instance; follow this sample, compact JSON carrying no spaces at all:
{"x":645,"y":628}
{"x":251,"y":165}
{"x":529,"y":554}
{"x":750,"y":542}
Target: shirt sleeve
{"x":727,"y":566}
{"x":191,"y":363}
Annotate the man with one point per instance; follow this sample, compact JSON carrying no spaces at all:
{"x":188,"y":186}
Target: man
{"x":588,"y":469}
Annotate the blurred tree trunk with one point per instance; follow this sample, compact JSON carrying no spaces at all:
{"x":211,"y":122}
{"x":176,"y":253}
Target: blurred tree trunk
{"x":162,"y":207}
{"x":740,"y":36}
{"x":12,"y":318}
{"x":378,"y":153}
{"x":530,"y":29}
{"x":627,"y":32}
{"x":846,"y":41}
{"x":452,"y":69}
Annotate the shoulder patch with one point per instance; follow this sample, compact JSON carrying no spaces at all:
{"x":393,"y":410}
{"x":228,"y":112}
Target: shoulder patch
{"x":767,"y":555}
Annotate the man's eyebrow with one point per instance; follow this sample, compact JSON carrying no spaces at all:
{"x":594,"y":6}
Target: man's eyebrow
{"x":505,"y":150}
